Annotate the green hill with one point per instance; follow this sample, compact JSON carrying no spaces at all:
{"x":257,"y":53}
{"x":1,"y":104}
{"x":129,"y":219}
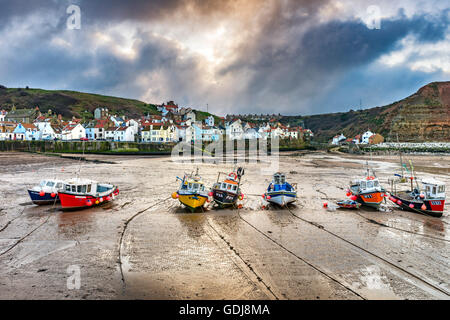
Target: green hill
{"x":71,"y":103}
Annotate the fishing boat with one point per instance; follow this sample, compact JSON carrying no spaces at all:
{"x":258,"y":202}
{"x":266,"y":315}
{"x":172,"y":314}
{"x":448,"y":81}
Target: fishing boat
{"x":367,"y":191}
{"x":428,"y":197}
{"x":46,"y":192}
{"x":226,"y":193}
{"x":191,"y":193}
{"x":84,"y":193}
{"x":348,"y":204}
{"x":279,"y":191}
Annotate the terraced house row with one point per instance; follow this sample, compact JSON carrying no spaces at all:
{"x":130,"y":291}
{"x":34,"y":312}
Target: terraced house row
{"x":172,"y":125}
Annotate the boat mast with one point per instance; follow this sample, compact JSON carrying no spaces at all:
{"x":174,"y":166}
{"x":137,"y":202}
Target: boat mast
{"x":401,"y":160}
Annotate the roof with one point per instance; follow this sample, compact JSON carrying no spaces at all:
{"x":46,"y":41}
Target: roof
{"x":28,"y":126}
{"x":432,"y":181}
{"x":56,"y":128}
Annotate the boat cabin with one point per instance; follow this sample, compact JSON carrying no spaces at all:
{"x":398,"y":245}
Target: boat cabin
{"x":83,"y":187}
{"x":363,"y":185}
{"x":434,"y":189}
{"x":227,"y":185}
{"x":279,"y":178}
{"x":194,"y":186}
{"x":51,"y":184}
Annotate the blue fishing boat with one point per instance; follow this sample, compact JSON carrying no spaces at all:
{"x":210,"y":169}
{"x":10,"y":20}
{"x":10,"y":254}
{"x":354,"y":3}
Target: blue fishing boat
{"x":46,"y":192}
{"x":279,"y":191}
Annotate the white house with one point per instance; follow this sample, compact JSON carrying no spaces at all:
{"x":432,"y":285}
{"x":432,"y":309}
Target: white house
{"x":124,"y":134}
{"x":252,"y":133}
{"x":3,"y":114}
{"x":209,"y":121}
{"x":337,"y":139}
{"x":234,"y":130}
{"x":276,"y":133}
{"x":46,"y":131}
{"x":110,"y":133}
{"x":365,"y":137}
{"x":133,"y":123}
{"x":73,"y":132}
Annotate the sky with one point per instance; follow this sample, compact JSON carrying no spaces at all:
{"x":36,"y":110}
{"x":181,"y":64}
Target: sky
{"x":293,"y":57}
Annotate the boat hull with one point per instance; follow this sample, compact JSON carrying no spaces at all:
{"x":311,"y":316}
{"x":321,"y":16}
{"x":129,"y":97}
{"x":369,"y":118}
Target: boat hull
{"x":192,"y":201}
{"x":434,"y":208}
{"x":281,"y":198}
{"x":47,"y":198}
{"x":224,"y":198}
{"x":76,"y":202}
{"x":372,"y":199}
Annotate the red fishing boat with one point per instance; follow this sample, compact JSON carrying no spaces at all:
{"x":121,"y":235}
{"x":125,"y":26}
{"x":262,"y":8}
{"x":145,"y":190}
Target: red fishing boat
{"x":80,"y":194}
{"x":428,"y":199}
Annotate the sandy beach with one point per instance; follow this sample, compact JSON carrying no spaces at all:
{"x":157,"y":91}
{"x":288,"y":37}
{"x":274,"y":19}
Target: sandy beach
{"x":145,"y":245}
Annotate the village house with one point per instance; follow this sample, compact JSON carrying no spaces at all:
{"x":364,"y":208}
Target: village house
{"x":46,"y":131}
{"x":101,"y":113}
{"x":234,"y":130}
{"x":169,"y":107}
{"x":25,"y":131}
{"x":357,"y":139}
{"x":95,"y":130}
{"x":118,"y":121}
{"x":338,"y":139}
{"x":157,"y":132}
{"x":3,"y":114}
{"x":110,"y":133}
{"x":209,"y":121}
{"x":73,"y":131}
{"x":124,"y":134}
{"x":7,"y":130}
{"x":365,"y":137}
{"x":252,"y":133}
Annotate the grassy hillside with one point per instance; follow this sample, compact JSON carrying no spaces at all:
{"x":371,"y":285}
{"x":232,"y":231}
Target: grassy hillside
{"x":71,"y":103}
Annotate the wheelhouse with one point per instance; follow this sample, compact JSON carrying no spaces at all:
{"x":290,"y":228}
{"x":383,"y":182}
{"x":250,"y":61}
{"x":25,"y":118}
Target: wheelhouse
{"x":227,"y":185}
{"x":193,"y":186}
{"x":433,"y":189}
{"x":365,"y":185}
{"x":279,"y":178}
{"x":51,"y":184}
{"x":83,"y":187}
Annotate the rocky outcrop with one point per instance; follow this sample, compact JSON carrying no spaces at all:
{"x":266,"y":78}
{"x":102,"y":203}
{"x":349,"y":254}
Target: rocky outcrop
{"x":424,"y":116}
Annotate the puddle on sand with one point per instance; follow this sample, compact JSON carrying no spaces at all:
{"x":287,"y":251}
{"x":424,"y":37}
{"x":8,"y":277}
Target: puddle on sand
{"x":373,"y":284}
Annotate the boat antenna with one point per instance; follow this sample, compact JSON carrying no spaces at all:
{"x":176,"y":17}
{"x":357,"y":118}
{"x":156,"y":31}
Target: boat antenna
{"x":413,"y":174}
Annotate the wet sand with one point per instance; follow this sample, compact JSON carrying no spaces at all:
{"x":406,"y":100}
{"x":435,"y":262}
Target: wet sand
{"x":146,"y":246}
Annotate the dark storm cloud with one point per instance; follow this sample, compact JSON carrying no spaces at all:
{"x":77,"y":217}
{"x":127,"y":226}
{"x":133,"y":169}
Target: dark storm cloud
{"x":287,"y":60}
{"x":312,"y":60}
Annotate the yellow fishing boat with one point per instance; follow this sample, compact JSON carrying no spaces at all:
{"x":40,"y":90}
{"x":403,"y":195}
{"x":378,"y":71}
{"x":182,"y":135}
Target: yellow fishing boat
{"x":192,"y":193}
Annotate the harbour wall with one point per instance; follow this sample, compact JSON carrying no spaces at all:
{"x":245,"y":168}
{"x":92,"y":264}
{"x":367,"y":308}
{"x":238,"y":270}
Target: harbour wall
{"x":125,"y":148}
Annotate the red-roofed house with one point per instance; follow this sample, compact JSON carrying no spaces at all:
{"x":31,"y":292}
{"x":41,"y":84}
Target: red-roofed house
{"x":73,"y":131}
